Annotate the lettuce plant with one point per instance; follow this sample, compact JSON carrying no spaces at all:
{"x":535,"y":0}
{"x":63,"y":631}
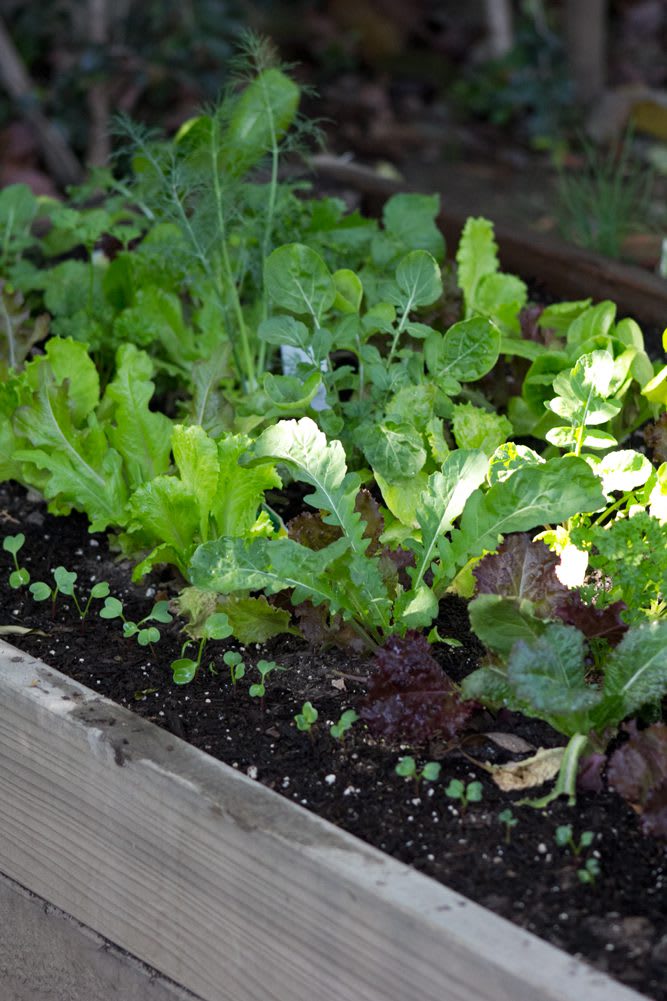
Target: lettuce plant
{"x":348,"y":581}
{"x":548,"y":676}
{"x":81,"y":450}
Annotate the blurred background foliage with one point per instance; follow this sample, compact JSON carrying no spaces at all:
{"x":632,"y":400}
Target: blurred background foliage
{"x":415,"y":85}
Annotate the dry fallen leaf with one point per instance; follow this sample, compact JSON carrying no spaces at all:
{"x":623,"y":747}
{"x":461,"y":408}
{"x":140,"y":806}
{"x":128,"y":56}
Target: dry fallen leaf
{"x":509,"y":742}
{"x":338,"y":683}
{"x":533,"y":771}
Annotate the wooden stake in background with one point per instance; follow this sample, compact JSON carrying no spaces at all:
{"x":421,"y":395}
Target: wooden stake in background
{"x":61,"y":161}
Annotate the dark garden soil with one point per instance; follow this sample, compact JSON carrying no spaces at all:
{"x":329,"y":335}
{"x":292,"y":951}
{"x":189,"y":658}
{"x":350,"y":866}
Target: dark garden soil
{"x":619,"y":924}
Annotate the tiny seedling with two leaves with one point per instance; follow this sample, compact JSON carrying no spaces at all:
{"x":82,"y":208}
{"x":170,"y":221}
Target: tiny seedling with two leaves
{"x":265,"y":668}
{"x":19,"y":576}
{"x":146,"y":635}
{"x":507,"y":818}
{"x":406,"y":767}
{"x":184,"y":669}
{"x":236,"y":665}
{"x":564,"y":838}
{"x":345,"y":723}
{"x":65,"y":581}
{"x":465,"y":794}
{"x":307,"y":718}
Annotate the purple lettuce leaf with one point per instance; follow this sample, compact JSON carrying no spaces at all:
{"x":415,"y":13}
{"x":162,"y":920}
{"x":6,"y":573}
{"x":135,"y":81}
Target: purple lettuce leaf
{"x":638,"y":772}
{"x":594,"y":623}
{"x":410,"y":698}
{"x":522,"y":569}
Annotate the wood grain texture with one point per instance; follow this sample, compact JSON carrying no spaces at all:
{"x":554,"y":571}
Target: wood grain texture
{"x":226,"y":887}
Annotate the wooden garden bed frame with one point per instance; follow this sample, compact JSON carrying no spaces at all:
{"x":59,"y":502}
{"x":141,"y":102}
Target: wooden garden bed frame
{"x":227,"y":888}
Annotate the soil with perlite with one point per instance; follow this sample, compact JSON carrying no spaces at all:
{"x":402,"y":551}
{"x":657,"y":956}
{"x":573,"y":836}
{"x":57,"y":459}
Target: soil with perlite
{"x":618,"y":923}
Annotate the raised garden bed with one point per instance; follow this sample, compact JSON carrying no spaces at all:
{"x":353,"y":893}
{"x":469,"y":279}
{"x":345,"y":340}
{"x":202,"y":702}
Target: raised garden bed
{"x":312,"y":540}
{"x":225,"y":886}
{"x":143,"y":856}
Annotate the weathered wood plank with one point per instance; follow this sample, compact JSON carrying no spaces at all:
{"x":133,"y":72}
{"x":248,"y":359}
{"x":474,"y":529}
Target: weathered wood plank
{"x":45,"y":955}
{"x":224,"y":886}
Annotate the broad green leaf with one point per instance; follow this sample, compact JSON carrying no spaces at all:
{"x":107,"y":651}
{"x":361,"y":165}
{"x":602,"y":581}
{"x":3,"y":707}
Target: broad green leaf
{"x":635,"y":673}
{"x":416,"y":608}
{"x":156,"y":318}
{"x":296,"y":278}
{"x":502,"y":297}
{"x":476,"y":428}
{"x":209,"y":408}
{"x":549,"y":676}
{"x":560,"y":315}
{"x":476,"y":257}
{"x":141,"y":436}
{"x":443,"y":501}
{"x":623,"y":470}
{"x":254,"y":620}
{"x":349,"y":291}
{"x":311,"y":459}
{"x":167,"y":513}
{"x":467,"y":351}
{"x":534,"y":495}
{"x":595,"y":321}
{"x":402,"y":496}
{"x":499,"y":622}
{"x":288,"y":394}
{"x":488,"y":685}
{"x":655,"y":390}
{"x":284,"y":331}
{"x":261,"y":117}
{"x":84,"y":472}
{"x":230,"y":565}
{"x":393,"y":450}
{"x":70,"y":360}
{"x":509,"y":457}
{"x":196,"y":458}
{"x":418,"y":278}
{"x":410,"y":219}
{"x":240,"y":490}
{"x":591,"y":438}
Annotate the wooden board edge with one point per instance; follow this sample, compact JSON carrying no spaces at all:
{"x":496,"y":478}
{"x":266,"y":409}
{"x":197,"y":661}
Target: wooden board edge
{"x":356,"y":925}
